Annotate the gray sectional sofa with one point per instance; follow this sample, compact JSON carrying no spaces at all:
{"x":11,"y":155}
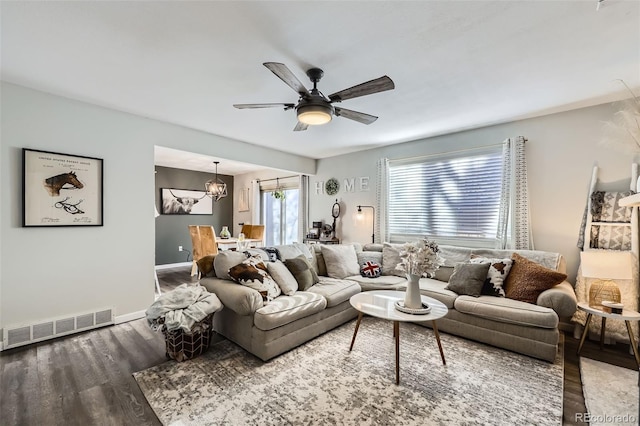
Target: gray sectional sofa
{"x":269,"y":329}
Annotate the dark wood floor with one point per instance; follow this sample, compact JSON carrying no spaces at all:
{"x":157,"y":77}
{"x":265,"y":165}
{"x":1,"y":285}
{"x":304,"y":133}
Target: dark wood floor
{"x":85,"y":379}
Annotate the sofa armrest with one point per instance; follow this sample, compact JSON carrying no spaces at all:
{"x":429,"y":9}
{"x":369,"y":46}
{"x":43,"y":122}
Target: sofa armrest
{"x":240,"y":299}
{"x":561,"y":298}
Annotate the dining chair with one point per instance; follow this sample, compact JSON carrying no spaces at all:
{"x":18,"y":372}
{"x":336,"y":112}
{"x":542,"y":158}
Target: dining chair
{"x":257,"y":232}
{"x":246,"y":230}
{"x":203,"y":241}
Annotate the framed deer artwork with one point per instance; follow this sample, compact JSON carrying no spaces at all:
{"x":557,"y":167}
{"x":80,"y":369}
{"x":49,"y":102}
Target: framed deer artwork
{"x":61,"y":189}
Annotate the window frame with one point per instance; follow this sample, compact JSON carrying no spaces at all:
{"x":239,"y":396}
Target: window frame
{"x":476,"y":242}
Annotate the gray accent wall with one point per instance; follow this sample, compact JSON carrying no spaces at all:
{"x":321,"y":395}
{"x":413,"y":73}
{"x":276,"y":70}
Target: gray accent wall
{"x":172,"y":230}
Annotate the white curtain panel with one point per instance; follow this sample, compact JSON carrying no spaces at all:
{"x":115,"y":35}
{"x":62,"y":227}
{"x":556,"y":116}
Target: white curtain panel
{"x":382,"y":201}
{"x":514,"y":224}
{"x":303,"y":208}
{"x":255,"y":203}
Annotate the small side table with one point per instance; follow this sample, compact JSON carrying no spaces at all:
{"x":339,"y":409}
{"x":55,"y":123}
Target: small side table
{"x":626,"y":315}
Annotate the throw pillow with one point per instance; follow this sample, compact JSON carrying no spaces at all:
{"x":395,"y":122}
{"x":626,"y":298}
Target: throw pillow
{"x":341,"y":260}
{"x":498,"y":272}
{"x":205,"y":266}
{"x":369,"y":256}
{"x":468,"y":278}
{"x":443,"y":273}
{"x":370,"y":269}
{"x":321,"y":266}
{"x":226,"y":260}
{"x":391,"y":259}
{"x":252,"y":273}
{"x":285,"y":279}
{"x":528,"y":279}
{"x":302,"y":272}
{"x":272,"y":252}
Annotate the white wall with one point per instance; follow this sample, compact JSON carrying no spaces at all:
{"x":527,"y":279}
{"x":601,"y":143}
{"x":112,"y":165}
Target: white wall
{"x":561,"y":152}
{"x":52,"y":272}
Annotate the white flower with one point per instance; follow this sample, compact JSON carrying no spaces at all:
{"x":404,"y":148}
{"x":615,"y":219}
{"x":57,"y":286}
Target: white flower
{"x":420,"y":258}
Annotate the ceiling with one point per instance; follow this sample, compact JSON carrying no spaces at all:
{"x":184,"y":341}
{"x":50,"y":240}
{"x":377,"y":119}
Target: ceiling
{"x":456,"y":65}
{"x":177,"y":159}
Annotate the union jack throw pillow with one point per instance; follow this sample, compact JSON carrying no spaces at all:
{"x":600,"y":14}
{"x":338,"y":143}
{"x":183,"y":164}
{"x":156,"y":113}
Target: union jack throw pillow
{"x":370,"y":269}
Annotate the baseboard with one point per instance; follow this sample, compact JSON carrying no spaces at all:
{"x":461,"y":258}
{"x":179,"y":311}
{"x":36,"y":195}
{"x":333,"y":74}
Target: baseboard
{"x":173,"y":265}
{"x":129,"y":317}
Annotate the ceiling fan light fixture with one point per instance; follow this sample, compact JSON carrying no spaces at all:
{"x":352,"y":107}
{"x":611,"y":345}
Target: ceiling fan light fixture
{"x":314,"y":115}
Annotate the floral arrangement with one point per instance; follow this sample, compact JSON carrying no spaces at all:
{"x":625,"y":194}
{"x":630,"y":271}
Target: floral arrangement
{"x":420,"y":258}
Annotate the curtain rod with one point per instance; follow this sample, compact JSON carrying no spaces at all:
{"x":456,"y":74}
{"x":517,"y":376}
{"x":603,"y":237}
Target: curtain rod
{"x":285,"y":177}
{"x":477,"y":148}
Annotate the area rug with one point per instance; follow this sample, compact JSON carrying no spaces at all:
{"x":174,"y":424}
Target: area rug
{"x":610,"y":393}
{"x":322,"y":383}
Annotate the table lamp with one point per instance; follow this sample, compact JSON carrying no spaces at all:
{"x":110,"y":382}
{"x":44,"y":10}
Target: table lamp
{"x":605,"y":267}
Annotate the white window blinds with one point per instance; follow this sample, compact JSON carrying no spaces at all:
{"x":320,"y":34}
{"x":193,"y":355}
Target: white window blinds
{"x":452,"y":199}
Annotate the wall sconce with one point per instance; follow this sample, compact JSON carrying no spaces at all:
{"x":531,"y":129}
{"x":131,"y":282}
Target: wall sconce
{"x":373,"y":221}
{"x":605,"y":267}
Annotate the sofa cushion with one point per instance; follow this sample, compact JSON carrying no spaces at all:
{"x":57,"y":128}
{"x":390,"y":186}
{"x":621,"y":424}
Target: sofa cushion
{"x":443,"y":273}
{"x":528,"y":279}
{"x":334,"y":290}
{"x":226,"y":260}
{"x":498,"y":272}
{"x":252,"y":273}
{"x":302,"y":271}
{"x":547,"y":259}
{"x":289,"y":251}
{"x":391,"y":259}
{"x":507,"y":310}
{"x":468,"y":278}
{"x":341,"y":260}
{"x":285,"y":279}
{"x":383,"y":282}
{"x":369,"y":256}
{"x":286,"y":309}
{"x":319,"y":264}
{"x":438,"y":290}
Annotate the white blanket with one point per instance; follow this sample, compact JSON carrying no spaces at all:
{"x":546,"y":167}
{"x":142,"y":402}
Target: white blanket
{"x":182,"y":307}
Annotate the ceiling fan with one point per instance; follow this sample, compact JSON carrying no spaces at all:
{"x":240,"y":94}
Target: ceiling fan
{"x":314,"y":108}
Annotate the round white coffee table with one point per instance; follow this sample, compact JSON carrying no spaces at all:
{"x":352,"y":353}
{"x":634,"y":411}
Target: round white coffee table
{"x":626,"y":315}
{"x":381,"y":304}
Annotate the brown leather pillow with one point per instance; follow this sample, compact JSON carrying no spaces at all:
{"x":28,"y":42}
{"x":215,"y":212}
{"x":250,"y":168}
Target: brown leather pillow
{"x":205,"y":266}
{"x":527,"y":279}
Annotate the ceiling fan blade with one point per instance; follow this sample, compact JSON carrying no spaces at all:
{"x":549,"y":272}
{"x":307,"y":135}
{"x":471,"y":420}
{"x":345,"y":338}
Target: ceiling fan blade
{"x":245,"y":106}
{"x":300,"y":126}
{"x":287,"y":76}
{"x":374,"y":86}
{"x":360,"y":117}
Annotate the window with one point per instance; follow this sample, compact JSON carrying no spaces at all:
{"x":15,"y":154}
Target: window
{"x":452,"y":199}
{"x":280,"y":216}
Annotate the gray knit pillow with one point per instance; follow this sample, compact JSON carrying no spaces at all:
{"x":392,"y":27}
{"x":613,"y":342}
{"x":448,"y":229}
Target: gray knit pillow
{"x":468,"y":278}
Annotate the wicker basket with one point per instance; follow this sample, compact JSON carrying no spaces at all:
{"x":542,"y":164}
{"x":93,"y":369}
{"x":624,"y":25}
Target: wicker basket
{"x":182,"y":346}
{"x":603,"y":290}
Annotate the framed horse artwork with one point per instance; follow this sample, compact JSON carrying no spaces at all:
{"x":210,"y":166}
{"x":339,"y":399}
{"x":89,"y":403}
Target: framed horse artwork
{"x":61,"y":189}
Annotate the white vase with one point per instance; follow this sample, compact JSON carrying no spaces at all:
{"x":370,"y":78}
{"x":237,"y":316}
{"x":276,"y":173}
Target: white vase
{"x":224,"y":234}
{"x":412,"y":298}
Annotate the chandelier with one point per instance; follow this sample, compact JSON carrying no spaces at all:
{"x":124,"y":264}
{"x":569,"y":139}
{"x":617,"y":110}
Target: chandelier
{"x":215,"y":187}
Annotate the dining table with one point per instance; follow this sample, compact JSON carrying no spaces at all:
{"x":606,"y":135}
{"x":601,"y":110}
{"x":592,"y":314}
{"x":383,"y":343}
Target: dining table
{"x":232,"y":243}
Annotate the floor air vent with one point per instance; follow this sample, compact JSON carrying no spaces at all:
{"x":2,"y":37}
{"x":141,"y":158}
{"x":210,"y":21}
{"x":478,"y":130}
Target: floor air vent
{"x":23,"y":335}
